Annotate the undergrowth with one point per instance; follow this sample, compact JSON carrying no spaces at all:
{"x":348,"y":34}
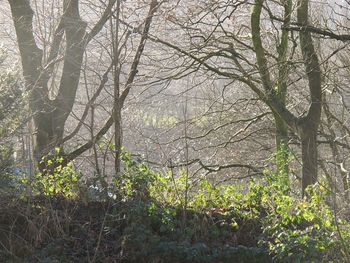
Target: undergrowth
{"x":146,"y":216}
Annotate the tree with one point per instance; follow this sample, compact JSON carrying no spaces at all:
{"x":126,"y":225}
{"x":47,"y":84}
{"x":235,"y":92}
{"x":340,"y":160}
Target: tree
{"x":70,"y":38}
{"x":306,"y":127}
{"x":218,"y":45}
{"x":50,"y":115}
{"x":121,"y":95}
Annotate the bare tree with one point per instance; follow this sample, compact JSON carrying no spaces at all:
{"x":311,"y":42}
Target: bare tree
{"x":50,"y":115}
{"x":239,"y":53}
{"x":71,"y":35}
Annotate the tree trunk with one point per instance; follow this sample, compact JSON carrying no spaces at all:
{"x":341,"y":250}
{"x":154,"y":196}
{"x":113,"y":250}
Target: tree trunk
{"x":118,"y":140}
{"x":117,"y":109}
{"x":74,"y":29}
{"x":281,"y":145}
{"x":49,"y":116}
{"x":308,"y":125}
{"x":309,"y":157}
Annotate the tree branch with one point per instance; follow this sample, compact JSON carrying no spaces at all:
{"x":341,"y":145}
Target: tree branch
{"x":140,"y":48}
{"x":319,"y":31}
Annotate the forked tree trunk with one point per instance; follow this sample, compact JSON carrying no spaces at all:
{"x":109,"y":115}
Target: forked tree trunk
{"x":49,"y":115}
{"x":306,"y":126}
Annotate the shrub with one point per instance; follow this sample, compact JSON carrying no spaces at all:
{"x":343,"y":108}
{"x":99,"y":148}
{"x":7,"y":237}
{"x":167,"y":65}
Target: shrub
{"x":60,"y":179}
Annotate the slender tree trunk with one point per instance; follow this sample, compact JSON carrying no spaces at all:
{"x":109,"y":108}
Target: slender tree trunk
{"x":278,"y":95}
{"x":118,"y":140}
{"x":117,"y":107}
{"x":281,"y":93}
{"x":281,"y":144}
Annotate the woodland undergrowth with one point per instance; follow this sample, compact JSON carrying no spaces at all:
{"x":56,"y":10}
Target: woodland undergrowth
{"x":147,"y":216}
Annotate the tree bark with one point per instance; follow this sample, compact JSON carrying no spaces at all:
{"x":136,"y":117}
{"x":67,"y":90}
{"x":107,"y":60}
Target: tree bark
{"x":281,"y":145}
{"x":278,"y":94}
{"x":282,"y":138}
{"x":49,"y":116}
{"x":74,"y":29}
{"x":306,"y":126}
{"x":117,"y":109}
{"x":309,"y":157}
{"x":309,"y":125}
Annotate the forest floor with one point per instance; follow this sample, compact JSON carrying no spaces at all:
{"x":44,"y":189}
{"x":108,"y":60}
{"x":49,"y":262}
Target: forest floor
{"x":59,"y":229}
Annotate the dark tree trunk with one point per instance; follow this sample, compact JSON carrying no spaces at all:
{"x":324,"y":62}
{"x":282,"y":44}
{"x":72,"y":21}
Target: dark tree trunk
{"x":308,"y":125}
{"x":49,"y":116}
{"x":309,"y":157}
